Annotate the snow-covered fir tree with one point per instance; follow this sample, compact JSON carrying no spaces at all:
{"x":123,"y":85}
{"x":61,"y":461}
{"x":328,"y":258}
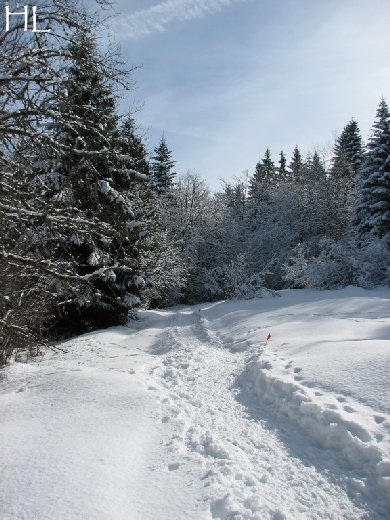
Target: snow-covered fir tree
{"x":314,"y":168}
{"x":263,"y":176}
{"x":135,"y":154}
{"x":32,"y":74}
{"x":348,"y":152}
{"x":373,"y":204}
{"x":94,"y":253}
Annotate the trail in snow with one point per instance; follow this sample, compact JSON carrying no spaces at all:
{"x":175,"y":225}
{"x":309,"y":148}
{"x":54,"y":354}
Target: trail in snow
{"x":81,"y":436}
{"x":256,"y":465}
{"x":193,"y":414}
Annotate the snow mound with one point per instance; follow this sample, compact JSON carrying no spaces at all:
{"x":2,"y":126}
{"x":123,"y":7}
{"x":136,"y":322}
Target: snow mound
{"x":356,"y":432}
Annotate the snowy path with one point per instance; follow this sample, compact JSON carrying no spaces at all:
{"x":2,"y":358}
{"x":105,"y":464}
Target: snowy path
{"x":249,"y":470}
{"x":81,"y":436}
{"x":192,"y":415}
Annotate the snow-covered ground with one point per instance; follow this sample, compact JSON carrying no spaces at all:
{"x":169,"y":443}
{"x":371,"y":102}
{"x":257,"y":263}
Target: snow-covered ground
{"x":191,"y":413}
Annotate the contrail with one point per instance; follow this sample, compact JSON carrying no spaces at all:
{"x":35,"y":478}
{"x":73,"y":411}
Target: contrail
{"x":157,"y":18}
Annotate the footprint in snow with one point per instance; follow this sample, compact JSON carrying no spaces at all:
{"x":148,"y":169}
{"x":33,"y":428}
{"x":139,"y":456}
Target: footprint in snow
{"x":174,"y":466}
{"x":297,"y":370}
{"x":341,"y":399}
{"x":349,"y":409}
{"x":250,"y":481}
{"x":379,"y":419}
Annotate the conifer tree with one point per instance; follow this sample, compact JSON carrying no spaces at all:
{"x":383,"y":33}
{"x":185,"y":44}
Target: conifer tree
{"x":265,"y":169}
{"x":296,"y":165}
{"x":161,"y":166}
{"x":39,"y":219}
{"x":314,"y":168}
{"x":263,"y":177}
{"x":159,"y":257}
{"x":135,"y":166}
{"x":133,"y":148}
{"x":348,"y":152}
{"x":282,"y":168}
{"x":95,"y":251}
{"x":373,"y":205}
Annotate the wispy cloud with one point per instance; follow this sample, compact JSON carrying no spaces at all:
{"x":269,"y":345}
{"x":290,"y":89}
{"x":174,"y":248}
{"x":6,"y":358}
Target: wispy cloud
{"x":158,"y":17}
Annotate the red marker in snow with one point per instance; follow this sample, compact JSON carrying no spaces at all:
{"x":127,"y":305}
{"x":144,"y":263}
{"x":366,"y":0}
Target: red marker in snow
{"x":269,"y":336}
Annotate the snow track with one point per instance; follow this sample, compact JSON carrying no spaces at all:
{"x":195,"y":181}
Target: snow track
{"x":191,"y":414}
{"x":252,"y":469}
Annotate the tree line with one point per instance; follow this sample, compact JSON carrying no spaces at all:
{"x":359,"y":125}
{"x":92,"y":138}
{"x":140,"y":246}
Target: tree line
{"x":94,"y":226}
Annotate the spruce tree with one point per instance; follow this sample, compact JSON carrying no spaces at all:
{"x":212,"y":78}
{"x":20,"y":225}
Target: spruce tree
{"x":263,"y":177}
{"x":296,"y":165}
{"x":314,"y":168}
{"x":282,"y":168}
{"x":348,"y":152}
{"x":265,"y":170}
{"x":373,"y":205}
{"x":134,"y":151}
{"x":38,"y":216}
{"x":161,"y":166}
{"x":96,"y":250}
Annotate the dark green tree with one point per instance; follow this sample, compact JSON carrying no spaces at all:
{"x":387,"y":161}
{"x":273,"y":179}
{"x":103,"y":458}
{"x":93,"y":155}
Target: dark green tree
{"x":314,"y":168}
{"x":95,"y":250}
{"x":296,"y":165}
{"x":263,"y":177}
{"x":348,"y":152}
{"x":265,"y":169}
{"x":282,"y":168}
{"x":50,"y":160}
{"x":134,"y":151}
{"x":161,"y":166}
{"x":373,"y":205}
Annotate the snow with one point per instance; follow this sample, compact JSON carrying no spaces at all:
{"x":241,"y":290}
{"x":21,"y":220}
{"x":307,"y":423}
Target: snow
{"x":192,"y":413}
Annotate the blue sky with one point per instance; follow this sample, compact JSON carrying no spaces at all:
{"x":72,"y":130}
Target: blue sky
{"x":225,"y":79}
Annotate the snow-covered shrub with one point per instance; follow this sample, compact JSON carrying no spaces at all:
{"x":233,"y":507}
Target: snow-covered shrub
{"x":164,"y":271}
{"x":374,"y":265}
{"x":203,"y":285}
{"x":297,"y":273}
{"x":237,"y":279}
{"x":333,"y":266}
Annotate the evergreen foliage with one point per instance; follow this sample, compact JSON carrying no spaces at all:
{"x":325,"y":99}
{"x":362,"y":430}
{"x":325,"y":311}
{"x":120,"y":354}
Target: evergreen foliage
{"x":315,"y":170}
{"x":162,"y":165}
{"x":132,"y":147}
{"x":282,"y":168}
{"x":373,"y":205}
{"x":348,"y":152}
{"x":102,"y":257}
{"x":296,"y":165}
